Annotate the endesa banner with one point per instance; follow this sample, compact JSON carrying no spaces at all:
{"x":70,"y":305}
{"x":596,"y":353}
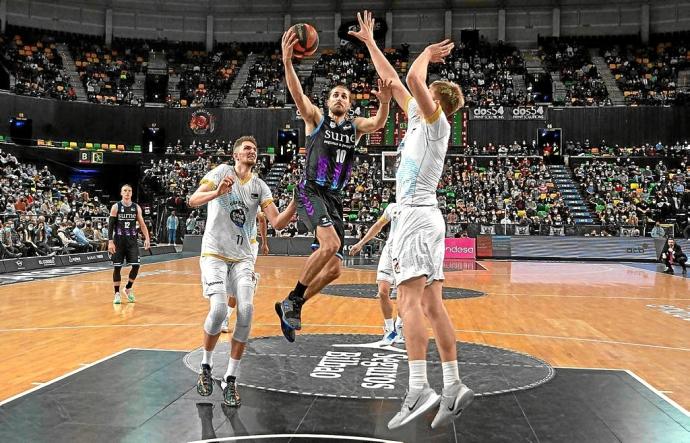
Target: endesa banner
{"x":461,"y":248}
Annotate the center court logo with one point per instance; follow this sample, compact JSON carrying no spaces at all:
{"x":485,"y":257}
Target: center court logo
{"x":378,"y":370}
{"x":359,"y":367}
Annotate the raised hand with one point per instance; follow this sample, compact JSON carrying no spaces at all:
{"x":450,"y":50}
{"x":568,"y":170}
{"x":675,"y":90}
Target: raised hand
{"x":366,"y":27}
{"x":385,"y":91}
{"x":438,"y":51}
{"x":288,"y":43}
{"x":225,"y":185}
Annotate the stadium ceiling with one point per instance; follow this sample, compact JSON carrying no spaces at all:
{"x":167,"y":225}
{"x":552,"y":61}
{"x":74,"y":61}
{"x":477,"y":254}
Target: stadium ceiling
{"x":223,"y":7}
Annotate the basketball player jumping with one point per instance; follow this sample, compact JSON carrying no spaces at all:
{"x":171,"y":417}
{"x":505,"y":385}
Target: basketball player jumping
{"x":385,"y":279}
{"x":234,"y":196}
{"x":417,"y":247}
{"x":331,"y":141}
{"x":122,"y":241}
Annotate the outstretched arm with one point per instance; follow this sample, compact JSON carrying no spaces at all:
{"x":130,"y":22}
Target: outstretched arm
{"x":280,"y":219}
{"x":310,"y":113}
{"x":371,"y":233}
{"x":383,"y":67}
{"x":416,"y":77}
{"x":371,"y":124}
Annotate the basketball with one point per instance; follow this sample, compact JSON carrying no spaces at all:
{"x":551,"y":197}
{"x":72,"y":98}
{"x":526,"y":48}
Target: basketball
{"x":308,"y":40}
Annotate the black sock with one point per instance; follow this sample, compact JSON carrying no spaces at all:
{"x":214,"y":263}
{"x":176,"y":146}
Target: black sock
{"x":129,"y":284}
{"x":117,"y":288}
{"x":299,"y":290}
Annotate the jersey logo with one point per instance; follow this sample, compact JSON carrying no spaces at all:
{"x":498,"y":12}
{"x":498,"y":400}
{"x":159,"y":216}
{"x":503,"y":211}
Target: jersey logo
{"x":332,"y":124}
{"x":255,"y":196}
{"x":237,"y":216}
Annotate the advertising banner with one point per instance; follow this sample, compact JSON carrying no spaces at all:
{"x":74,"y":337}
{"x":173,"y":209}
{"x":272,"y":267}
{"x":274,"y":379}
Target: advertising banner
{"x":461,"y":248}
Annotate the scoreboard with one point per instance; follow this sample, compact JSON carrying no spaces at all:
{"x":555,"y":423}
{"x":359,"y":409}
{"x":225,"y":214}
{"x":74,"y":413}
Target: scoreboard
{"x":396,"y":126}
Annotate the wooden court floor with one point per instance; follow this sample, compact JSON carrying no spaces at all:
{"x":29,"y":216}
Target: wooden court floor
{"x":579,"y":315}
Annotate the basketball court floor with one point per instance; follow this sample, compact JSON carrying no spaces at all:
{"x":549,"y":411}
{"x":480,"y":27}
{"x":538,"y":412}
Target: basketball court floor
{"x":556,"y":351}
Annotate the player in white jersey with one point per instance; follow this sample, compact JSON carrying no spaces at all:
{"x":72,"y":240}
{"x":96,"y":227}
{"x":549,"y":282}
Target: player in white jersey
{"x":417,"y":247}
{"x":263,"y":234}
{"x":234,"y":196}
{"x":385,"y":279}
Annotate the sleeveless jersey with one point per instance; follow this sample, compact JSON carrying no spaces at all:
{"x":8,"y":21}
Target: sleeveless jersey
{"x":126,"y":225}
{"x":330,"y":152}
{"x":231,"y":226}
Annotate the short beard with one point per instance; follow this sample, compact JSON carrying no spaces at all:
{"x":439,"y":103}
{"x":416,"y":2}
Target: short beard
{"x":337,"y":113}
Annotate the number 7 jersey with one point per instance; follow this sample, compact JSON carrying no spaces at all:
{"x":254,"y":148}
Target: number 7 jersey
{"x":231,"y":220}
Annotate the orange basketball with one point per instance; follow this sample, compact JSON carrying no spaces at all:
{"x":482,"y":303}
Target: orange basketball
{"x":307,"y":40}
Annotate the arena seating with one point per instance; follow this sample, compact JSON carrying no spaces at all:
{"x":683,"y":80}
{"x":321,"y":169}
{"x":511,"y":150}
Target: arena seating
{"x":584,"y":85}
{"x":37,"y":67}
{"x":623,"y":193}
{"x":648,"y":75}
{"x":485,"y":73}
{"x":37,"y":207}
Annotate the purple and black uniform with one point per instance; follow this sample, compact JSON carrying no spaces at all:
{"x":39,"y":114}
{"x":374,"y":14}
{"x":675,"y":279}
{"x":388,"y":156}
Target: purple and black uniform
{"x":125,"y":235}
{"x":330,"y":152}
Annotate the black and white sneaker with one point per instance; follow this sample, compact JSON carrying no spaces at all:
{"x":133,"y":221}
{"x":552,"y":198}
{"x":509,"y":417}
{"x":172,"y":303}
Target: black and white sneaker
{"x":204,"y":385}
{"x":231,"y":396}
{"x":288,"y":332}
{"x":291,"y":311}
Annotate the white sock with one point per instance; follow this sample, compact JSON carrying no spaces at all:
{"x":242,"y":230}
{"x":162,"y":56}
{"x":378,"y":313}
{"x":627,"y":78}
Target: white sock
{"x":450,"y":373}
{"x":389,"y":325}
{"x":207,"y":358}
{"x":233,"y":369}
{"x":399,"y":322}
{"x":418,"y":374}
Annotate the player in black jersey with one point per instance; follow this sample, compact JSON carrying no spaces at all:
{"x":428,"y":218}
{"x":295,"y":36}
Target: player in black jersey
{"x":122,"y":240}
{"x":331,"y":142}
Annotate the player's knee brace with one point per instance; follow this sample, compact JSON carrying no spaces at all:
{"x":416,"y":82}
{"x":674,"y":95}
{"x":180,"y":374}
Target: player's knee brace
{"x":133,"y":272}
{"x":116,"y":273}
{"x":217,"y":313}
{"x":245,"y":313}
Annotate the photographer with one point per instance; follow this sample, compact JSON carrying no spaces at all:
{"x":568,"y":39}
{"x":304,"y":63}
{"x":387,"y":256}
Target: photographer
{"x":672,"y":254}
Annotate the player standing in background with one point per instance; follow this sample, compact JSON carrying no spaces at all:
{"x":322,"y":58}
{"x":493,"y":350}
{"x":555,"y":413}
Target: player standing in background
{"x":122,"y":241}
{"x":385,"y":278}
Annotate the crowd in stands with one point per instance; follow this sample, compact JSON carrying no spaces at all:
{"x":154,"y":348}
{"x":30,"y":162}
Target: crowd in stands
{"x":603,"y":148}
{"x":204,"y":79}
{"x":264,"y":87}
{"x":108,"y":72}
{"x":351,"y":66}
{"x":485,"y":72}
{"x":623,"y":193}
{"x":33,"y":60}
{"x":648,"y":75}
{"x":506,"y":191}
{"x":43,"y":216}
{"x":583,"y":83}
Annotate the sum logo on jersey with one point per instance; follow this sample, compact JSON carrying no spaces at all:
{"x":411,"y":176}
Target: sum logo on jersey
{"x":339,"y":137}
